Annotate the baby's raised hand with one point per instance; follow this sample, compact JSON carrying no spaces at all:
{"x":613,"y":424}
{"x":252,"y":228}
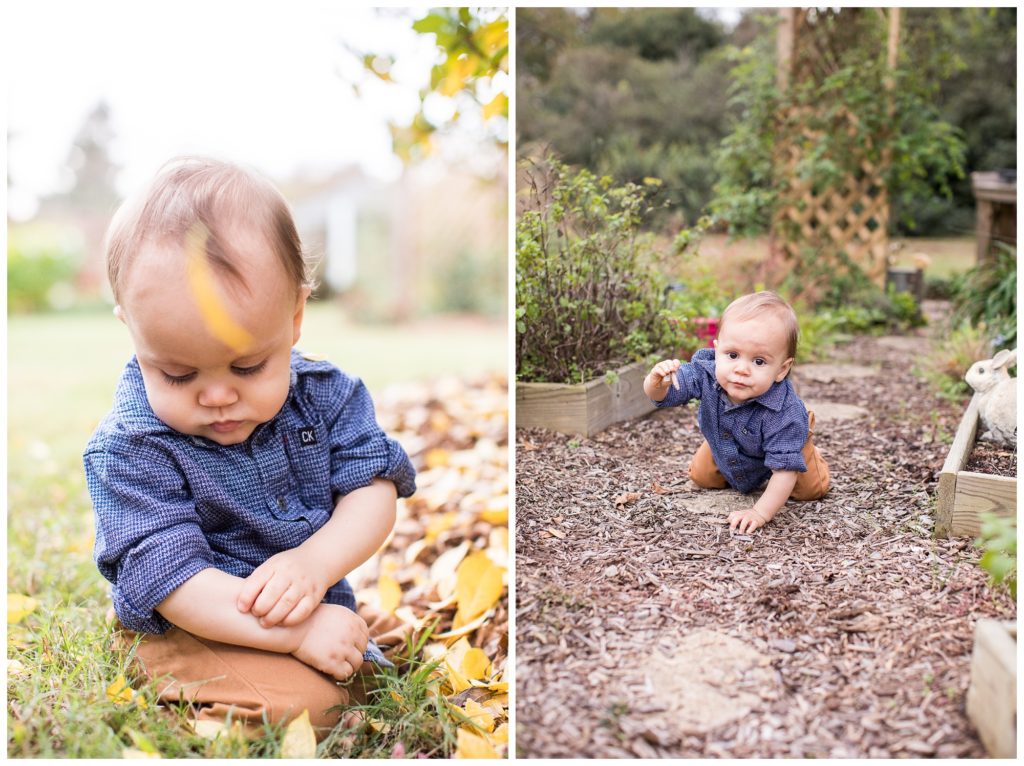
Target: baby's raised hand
{"x":661,"y":376}
{"x":284,"y":590}
{"x":746,"y":520}
{"x":334,"y":642}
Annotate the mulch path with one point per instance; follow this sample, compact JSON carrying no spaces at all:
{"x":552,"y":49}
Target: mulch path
{"x":864,"y":622}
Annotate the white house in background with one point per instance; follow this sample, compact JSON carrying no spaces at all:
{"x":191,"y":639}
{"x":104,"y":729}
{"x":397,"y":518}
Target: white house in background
{"x":327,"y":213}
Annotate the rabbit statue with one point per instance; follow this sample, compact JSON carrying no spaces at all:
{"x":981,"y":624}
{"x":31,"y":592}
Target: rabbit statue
{"x":997,"y":404}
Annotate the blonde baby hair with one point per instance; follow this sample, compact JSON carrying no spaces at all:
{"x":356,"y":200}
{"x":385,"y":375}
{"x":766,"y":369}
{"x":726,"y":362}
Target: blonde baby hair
{"x":198,"y":193}
{"x":757,"y":304}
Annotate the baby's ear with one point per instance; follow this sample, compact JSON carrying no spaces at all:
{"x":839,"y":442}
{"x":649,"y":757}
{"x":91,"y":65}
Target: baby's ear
{"x":119,"y":313}
{"x":784,"y":370}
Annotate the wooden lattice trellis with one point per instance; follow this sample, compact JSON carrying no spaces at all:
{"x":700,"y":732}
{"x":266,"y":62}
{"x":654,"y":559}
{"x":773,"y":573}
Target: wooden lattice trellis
{"x":848,"y":217}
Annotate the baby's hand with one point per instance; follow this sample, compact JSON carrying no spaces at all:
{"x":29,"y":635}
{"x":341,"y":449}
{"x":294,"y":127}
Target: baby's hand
{"x":746,"y":520}
{"x":661,"y":376}
{"x":334,"y":641}
{"x":282,"y":590}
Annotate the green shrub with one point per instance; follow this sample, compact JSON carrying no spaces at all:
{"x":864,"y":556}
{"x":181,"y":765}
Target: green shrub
{"x":946,"y":364}
{"x":36,"y":280}
{"x":987,"y":293}
{"x":998,"y":540}
{"x":590,"y":287}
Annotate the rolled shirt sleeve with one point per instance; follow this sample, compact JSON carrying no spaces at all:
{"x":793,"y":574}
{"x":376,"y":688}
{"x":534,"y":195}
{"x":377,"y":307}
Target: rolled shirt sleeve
{"x":148,"y":537}
{"x":785,"y":434}
{"x":360,"y":450}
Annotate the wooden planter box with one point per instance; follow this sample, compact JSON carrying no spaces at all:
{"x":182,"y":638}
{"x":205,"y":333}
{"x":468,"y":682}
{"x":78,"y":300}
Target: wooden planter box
{"x":963,"y":495}
{"x":992,"y":695}
{"x":583,"y":408}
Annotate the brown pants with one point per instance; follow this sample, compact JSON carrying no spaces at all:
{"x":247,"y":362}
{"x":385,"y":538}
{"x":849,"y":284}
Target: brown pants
{"x":811,"y":484}
{"x":255,"y":686}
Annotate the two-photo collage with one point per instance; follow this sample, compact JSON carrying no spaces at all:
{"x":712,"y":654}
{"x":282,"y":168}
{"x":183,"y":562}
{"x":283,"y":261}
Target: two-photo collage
{"x":520,"y":382}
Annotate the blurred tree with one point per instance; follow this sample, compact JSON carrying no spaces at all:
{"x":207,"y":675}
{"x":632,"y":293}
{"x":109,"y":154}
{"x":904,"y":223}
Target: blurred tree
{"x":541,"y":34}
{"x":655,"y":33}
{"x":977,"y":92}
{"x":472,"y":47}
{"x":616,"y":102}
{"x":91,"y":167}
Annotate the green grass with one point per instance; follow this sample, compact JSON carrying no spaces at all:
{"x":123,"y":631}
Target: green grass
{"x":951,"y":255}
{"x":61,"y":374}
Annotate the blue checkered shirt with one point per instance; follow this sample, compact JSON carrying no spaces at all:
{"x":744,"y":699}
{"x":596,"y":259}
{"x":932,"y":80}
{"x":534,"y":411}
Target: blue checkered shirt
{"x":170,"y":505}
{"x":750,"y":440}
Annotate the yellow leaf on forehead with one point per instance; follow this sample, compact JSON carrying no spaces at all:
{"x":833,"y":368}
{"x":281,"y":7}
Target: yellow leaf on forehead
{"x":203,"y":286}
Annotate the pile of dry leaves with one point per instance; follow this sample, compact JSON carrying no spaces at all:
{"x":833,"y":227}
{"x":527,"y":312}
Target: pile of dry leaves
{"x":841,"y":629}
{"x":445,"y":566}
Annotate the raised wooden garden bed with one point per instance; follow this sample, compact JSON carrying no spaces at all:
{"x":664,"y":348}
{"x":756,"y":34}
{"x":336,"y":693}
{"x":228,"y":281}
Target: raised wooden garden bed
{"x":963,"y":495}
{"x":583,"y":408}
{"x":992,"y":695}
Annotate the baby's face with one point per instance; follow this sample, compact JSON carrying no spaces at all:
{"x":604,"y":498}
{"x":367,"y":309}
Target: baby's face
{"x":751,"y":355}
{"x":195,"y":382}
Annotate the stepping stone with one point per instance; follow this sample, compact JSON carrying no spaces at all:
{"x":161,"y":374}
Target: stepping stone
{"x":825,"y":411}
{"x":700,"y":681}
{"x":910,"y":343}
{"x":713,"y":505}
{"x":827,"y":373}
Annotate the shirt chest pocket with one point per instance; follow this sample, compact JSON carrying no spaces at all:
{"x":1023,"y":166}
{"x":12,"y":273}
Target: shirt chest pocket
{"x":309,"y":472}
{"x":748,"y":439}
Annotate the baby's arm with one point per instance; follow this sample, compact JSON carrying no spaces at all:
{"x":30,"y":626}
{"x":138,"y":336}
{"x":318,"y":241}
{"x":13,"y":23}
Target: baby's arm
{"x":332,"y":640}
{"x":779,"y":488}
{"x":287,"y":587}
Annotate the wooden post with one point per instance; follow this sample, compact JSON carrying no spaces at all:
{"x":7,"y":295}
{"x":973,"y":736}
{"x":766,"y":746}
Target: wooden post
{"x":785,"y":43}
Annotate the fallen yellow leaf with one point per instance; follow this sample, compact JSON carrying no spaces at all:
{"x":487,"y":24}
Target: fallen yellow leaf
{"x":438,"y":457}
{"x":442,"y":571}
{"x":478,"y":715}
{"x":389,"y":593}
{"x":299,"y":739}
{"x":475,"y":664}
{"x":478,"y":587}
{"x":500,"y":735}
{"x":472,"y":745}
{"x":119,"y":692}
{"x":438,"y":524}
{"x":464,"y":630}
{"x":494,"y":686}
{"x":496,"y":510}
{"x":19,"y":607}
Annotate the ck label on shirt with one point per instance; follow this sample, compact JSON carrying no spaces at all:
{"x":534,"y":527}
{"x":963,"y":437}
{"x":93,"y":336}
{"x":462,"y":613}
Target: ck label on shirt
{"x":307,"y":436}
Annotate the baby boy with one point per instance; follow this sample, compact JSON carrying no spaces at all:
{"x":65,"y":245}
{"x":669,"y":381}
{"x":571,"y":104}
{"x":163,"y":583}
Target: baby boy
{"x":235,"y":482}
{"x":755,"y":427}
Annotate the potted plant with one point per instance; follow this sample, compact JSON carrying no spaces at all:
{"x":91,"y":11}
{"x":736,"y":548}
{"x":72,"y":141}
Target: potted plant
{"x":591,"y":303}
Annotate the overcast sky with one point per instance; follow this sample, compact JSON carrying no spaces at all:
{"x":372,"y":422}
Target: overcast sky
{"x":260,"y":82}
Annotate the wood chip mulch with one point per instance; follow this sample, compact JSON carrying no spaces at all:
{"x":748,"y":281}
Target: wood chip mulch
{"x":864,"y":620}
